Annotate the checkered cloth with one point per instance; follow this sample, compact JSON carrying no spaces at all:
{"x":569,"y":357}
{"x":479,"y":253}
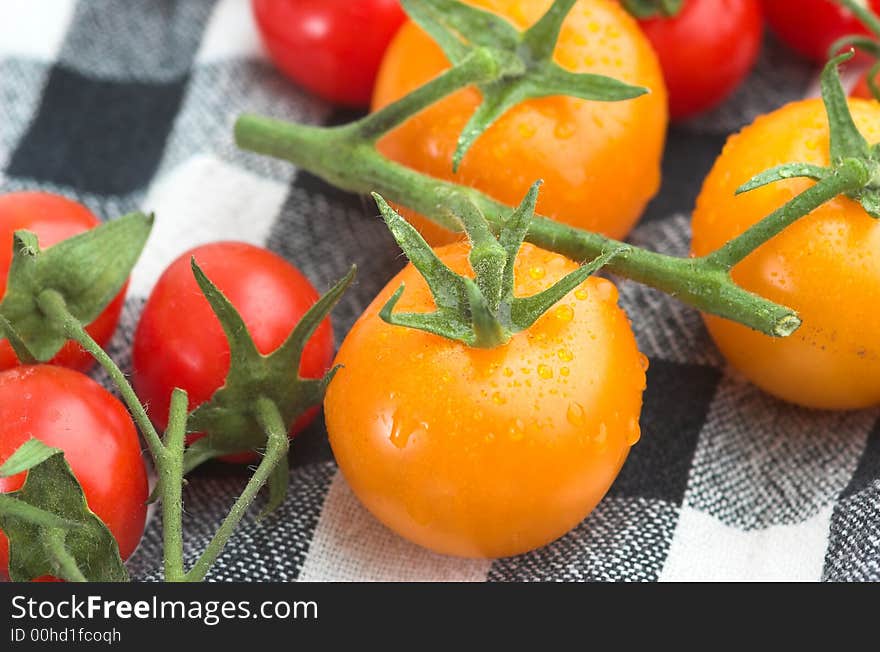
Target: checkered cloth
{"x":130,"y":105}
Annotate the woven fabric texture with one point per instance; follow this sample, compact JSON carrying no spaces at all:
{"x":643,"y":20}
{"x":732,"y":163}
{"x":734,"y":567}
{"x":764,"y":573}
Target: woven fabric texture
{"x":130,"y":105}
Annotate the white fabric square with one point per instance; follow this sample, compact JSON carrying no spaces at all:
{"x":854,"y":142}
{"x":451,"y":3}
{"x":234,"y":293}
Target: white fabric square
{"x":33,"y":29}
{"x":706,"y":550}
{"x":350,"y":545}
{"x":231,"y":33}
{"x":204,"y":200}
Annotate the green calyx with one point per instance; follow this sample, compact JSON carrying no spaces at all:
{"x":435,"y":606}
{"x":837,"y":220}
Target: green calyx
{"x":854,"y":172}
{"x":653,"y":8}
{"x":849,"y":150}
{"x":49,"y":525}
{"x":480,"y":312}
{"x":524,"y":60}
{"x":233,"y":420}
{"x":87,"y":270}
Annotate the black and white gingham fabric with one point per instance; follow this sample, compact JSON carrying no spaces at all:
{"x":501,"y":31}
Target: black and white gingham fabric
{"x":130,"y":105}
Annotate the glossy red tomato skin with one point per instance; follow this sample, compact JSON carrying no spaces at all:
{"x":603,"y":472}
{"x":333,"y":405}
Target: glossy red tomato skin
{"x":68,"y":410}
{"x":706,"y":51}
{"x":53,"y":218}
{"x":179,"y":341}
{"x":331,"y":47}
{"x":810,"y":26}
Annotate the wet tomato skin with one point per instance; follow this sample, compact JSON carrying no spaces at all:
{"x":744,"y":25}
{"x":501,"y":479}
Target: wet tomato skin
{"x":487,"y":452}
{"x":179,"y":341}
{"x":825,"y":265}
{"x":67,"y":410}
{"x":53,"y":218}
{"x":600,"y":161}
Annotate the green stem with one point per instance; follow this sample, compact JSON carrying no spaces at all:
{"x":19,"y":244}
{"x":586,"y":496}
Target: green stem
{"x":354,"y":165}
{"x":65,"y":564}
{"x":479,"y":67}
{"x":53,"y":306}
{"x":171,"y":487}
{"x":851,"y":175}
{"x":276,"y":448}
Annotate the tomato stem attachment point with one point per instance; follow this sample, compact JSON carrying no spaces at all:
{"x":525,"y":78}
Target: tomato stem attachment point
{"x":481,"y":312}
{"x":854,"y":172}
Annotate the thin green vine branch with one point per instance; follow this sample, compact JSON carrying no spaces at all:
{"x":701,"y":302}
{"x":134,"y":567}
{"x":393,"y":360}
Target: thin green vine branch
{"x":350,"y":163}
{"x":480,"y":66}
{"x":851,"y":175}
{"x":277,"y":446}
{"x":170,"y":471}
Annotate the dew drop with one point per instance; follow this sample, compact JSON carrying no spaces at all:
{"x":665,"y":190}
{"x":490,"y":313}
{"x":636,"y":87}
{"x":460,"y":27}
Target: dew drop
{"x":545,"y":371}
{"x":634,"y":432}
{"x":564,"y":313}
{"x":602,"y":435}
{"x":643,"y":361}
{"x":498,"y":399}
{"x":575,"y":414}
{"x":564,"y":371}
{"x":565,"y":355}
{"x":508,"y":372}
{"x":581,"y":294}
{"x":536,"y":273}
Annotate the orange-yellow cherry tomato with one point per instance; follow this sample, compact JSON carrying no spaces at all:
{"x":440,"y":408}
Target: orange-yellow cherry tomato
{"x":488,"y":452}
{"x":600,"y":161}
{"x":826,"y":265}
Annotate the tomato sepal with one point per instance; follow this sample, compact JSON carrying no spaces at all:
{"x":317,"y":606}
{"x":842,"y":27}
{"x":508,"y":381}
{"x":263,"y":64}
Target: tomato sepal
{"x":48,"y":523}
{"x":480,"y":312}
{"x":525,"y":61}
{"x":88,"y":270}
{"x":229,"y":418}
{"x":642,"y":9}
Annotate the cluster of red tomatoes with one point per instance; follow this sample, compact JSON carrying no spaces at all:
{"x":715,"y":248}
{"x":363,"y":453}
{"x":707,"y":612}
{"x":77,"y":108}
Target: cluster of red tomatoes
{"x":472,"y":451}
{"x":334,"y":47}
{"x":179,"y":342}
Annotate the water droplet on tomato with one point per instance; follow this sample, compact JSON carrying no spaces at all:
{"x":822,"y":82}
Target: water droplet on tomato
{"x":634,"y":432}
{"x":545,"y":371}
{"x":536,"y":273}
{"x":575,"y":414}
{"x":564,"y":313}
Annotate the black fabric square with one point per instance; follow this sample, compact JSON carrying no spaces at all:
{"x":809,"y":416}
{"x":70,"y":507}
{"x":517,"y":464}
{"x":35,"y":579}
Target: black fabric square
{"x":676,"y":403}
{"x":97,"y":136}
{"x":687,"y":159}
{"x":868,"y":470}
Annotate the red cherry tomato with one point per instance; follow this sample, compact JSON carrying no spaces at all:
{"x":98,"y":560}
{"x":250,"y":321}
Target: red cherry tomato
{"x":705,"y":50}
{"x":67,"y":410}
{"x":53,"y":218}
{"x":179,"y":341}
{"x":811,"y":26}
{"x":331,"y":47}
